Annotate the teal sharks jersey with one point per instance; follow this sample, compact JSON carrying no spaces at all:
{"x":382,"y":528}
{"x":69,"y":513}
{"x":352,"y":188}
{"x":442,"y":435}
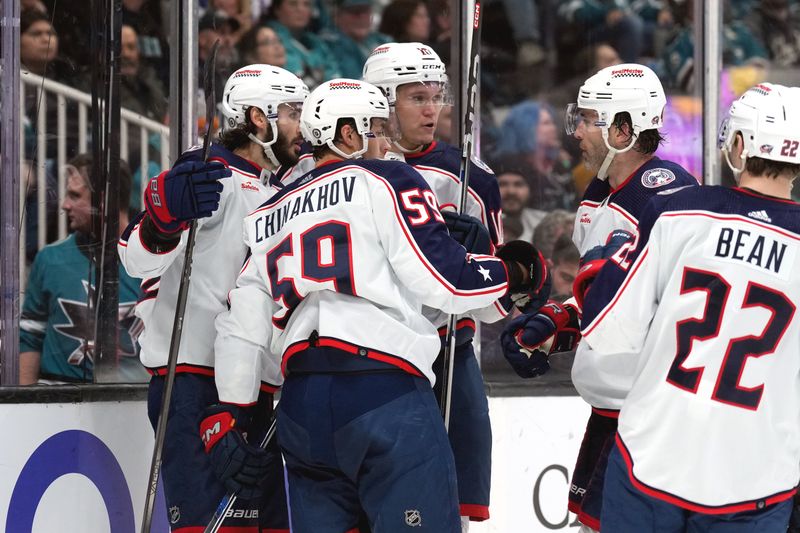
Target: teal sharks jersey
{"x":58,"y":322}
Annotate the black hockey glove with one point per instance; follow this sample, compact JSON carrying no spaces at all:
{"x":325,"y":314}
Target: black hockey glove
{"x":528,"y":340}
{"x":188,"y":191}
{"x":469,"y":232}
{"x":240,"y":466}
{"x":529,"y":292}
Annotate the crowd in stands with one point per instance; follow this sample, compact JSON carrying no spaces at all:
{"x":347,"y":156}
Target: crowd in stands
{"x":535,"y":54}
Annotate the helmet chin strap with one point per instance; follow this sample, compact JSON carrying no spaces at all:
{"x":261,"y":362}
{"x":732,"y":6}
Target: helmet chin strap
{"x":267,"y":146}
{"x":612,"y":152}
{"x":406,"y":150}
{"x":737,"y":172}
{"x":355,"y":155}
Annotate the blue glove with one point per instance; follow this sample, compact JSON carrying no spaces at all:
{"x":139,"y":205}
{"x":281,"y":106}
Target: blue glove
{"x":528,"y":340}
{"x":532,"y":292}
{"x":240,"y":466}
{"x":594,"y":260}
{"x":186,"y":192}
{"x":469,"y":232}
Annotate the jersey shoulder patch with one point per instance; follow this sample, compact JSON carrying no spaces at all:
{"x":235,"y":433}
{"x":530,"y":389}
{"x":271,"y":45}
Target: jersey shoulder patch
{"x":480,"y":164}
{"x":657,"y":177}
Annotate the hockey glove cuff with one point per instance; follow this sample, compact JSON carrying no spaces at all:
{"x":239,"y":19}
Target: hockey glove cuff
{"x":188,"y":191}
{"x":240,"y":466}
{"x":469,"y":231}
{"x":594,"y":260}
{"x":531,"y":291}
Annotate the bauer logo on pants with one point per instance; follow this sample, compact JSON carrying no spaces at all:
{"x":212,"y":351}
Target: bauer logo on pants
{"x":413,"y":518}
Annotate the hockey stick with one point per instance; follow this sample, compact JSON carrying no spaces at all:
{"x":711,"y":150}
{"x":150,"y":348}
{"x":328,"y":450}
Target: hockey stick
{"x":180,"y":309}
{"x":466,"y":152}
{"x":226,"y":504}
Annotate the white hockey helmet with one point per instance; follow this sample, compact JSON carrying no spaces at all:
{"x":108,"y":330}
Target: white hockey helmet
{"x":767,"y":116}
{"x":630,"y":88}
{"x":265,"y":87}
{"x":337,"y":99}
{"x":393,"y":64}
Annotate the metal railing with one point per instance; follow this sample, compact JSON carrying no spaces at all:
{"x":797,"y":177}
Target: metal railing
{"x":65,"y":96}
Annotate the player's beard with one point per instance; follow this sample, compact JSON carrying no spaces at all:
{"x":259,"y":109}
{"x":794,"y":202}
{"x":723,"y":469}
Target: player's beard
{"x":284,"y":152}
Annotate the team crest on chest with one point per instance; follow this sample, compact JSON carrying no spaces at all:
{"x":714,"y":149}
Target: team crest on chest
{"x":656,"y":177}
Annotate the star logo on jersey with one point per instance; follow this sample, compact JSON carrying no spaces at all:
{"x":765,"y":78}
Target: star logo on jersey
{"x":80,"y":325}
{"x":485,"y":273}
{"x":413,"y":518}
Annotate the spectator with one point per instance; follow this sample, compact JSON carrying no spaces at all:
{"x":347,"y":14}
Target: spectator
{"x":406,"y":21}
{"x":57,"y":324}
{"x":519,"y":220}
{"x":658,"y":20}
{"x":216,"y":26}
{"x":555,"y":224}
{"x":775,"y":24}
{"x":442,"y":28}
{"x":261,"y":45}
{"x":563,"y":267}
{"x":38,"y":44}
{"x":595,"y":21}
{"x":238,"y":10}
{"x":144,"y":16}
{"x":529,"y":139}
{"x":140,"y":89}
{"x":307,"y":55}
{"x":353,"y":39}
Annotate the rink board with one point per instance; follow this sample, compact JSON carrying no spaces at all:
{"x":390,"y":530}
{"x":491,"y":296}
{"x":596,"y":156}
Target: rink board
{"x":83,"y":467}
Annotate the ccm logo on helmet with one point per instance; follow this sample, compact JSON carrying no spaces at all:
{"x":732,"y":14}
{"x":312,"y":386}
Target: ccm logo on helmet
{"x":344,"y":85}
{"x":247,"y":73}
{"x":627,"y":73}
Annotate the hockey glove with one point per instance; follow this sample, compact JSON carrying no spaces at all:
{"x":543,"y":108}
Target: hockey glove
{"x":469,"y":232}
{"x":528,"y":340}
{"x":240,"y":466}
{"x":594,"y":260}
{"x":529,"y":292}
{"x":188,"y":191}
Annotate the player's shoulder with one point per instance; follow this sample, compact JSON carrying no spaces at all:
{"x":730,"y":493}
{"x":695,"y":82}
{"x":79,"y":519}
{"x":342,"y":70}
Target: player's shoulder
{"x":396,"y":172}
{"x":659,"y":174}
{"x":219,"y":153}
{"x":596,"y":191}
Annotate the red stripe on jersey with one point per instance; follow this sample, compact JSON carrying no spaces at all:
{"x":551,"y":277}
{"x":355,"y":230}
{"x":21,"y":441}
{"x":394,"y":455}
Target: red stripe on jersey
{"x":454,"y":178}
{"x":608,"y":413}
{"x":735,"y":218}
{"x":753,"y":505}
{"x":427,"y":150}
{"x":239,"y":170}
{"x":273,"y":530}
{"x":182,"y":368}
{"x":462,"y":323}
{"x":630,"y":218}
{"x":589,"y":520}
{"x":476,"y":513}
{"x":222,"y":529}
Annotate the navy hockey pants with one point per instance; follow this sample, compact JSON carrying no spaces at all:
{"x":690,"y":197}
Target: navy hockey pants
{"x":470,"y":432}
{"x":371,"y":441}
{"x":191,"y":488}
{"x":628,"y":510}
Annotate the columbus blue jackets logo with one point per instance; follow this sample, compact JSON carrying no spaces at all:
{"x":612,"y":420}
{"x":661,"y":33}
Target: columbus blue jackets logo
{"x":657,"y":177}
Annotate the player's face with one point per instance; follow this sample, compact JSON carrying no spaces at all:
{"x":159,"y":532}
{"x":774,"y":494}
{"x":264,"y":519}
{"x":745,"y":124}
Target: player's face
{"x":563,"y":275}
{"x":377,"y":140}
{"x":514,"y":192}
{"x":78,"y":203}
{"x":290,"y":140}
{"x":417,"y":108}
{"x":593,"y":148}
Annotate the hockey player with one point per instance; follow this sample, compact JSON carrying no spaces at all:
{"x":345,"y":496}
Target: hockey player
{"x":616,"y":119}
{"x":708,"y":437}
{"x":261,"y":107}
{"x":342,"y":260}
{"x":413,"y":78}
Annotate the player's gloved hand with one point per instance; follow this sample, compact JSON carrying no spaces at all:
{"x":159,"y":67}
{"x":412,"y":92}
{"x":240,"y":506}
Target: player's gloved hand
{"x":594,"y":260}
{"x":469,"y":232}
{"x":528,"y":340}
{"x":240,"y":466}
{"x":186,"y":192}
{"x":528,"y":292}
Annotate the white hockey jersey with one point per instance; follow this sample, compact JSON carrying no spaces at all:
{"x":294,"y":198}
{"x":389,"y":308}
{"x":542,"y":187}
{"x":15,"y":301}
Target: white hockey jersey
{"x":601,"y":212}
{"x":708,"y":307}
{"x":345,"y":257}
{"x":217,"y":259}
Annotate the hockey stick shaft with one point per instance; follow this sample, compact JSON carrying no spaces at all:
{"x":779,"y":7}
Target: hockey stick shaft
{"x":180,"y":310}
{"x":226,"y":504}
{"x":448,"y":359}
